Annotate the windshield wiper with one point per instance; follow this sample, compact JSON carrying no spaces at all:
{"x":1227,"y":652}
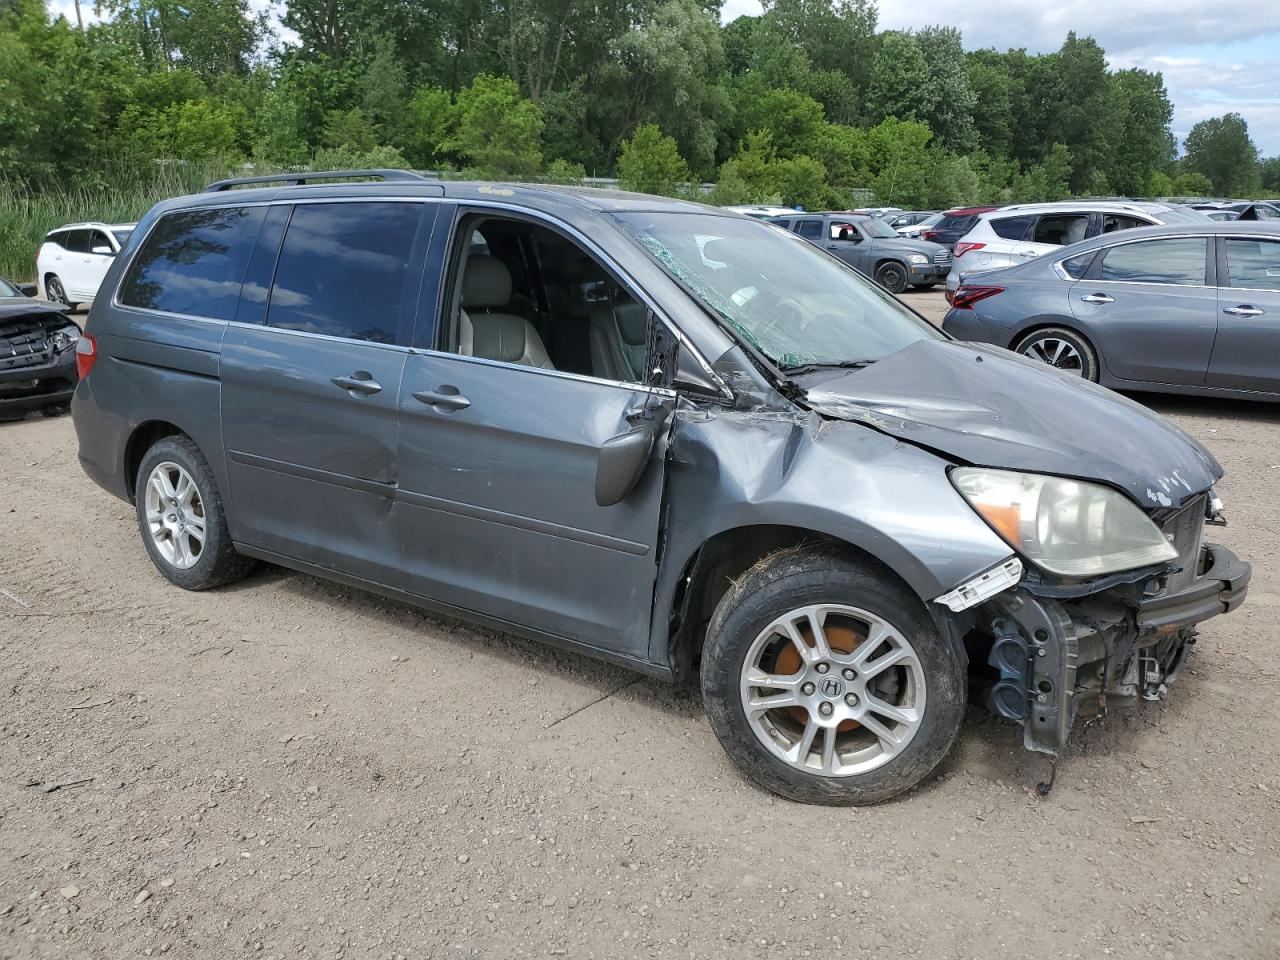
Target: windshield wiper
{"x":826,"y":365}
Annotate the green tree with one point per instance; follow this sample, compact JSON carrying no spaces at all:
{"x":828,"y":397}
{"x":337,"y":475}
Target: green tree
{"x":1220,"y":148}
{"x":795,"y":122}
{"x":1191,"y":185}
{"x":1269,"y":175}
{"x":499,"y":133}
{"x":667,"y":70}
{"x":651,"y":163}
{"x":900,"y":80}
{"x":349,"y":128}
{"x":952,"y":100}
{"x":432,"y":122}
{"x":901,"y":163}
{"x":1047,"y":180}
{"x":1143,"y":143}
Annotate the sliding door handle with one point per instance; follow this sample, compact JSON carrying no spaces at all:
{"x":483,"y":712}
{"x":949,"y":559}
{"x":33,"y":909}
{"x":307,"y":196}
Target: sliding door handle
{"x":1244,"y":310}
{"x":1097,"y":298}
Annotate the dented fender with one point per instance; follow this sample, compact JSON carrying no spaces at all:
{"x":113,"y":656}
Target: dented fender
{"x":785,"y":466}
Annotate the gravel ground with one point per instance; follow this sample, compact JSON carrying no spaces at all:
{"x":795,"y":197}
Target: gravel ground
{"x":289,"y":768}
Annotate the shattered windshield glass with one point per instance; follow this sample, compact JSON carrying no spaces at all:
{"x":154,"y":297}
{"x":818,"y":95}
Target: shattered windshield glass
{"x":780,"y":293}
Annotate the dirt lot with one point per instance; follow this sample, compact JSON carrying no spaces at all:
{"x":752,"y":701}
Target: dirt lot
{"x":289,"y":768}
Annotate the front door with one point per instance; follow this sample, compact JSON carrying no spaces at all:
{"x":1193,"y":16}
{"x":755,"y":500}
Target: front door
{"x":539,"y":361}
{"x":309,"y":397}
{"x":1150,"y":310}
{"x":96,"y":262}
{"x":846,"y":242}
{"x":1246,"y":352}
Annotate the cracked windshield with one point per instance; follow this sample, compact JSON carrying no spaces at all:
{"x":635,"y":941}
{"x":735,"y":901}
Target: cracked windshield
{"x":793,"y":303}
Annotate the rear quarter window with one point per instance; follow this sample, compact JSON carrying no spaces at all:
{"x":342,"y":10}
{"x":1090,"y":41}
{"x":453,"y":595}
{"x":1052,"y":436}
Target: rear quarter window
{"x":193,"y":262}
{"x":1011,"y":228}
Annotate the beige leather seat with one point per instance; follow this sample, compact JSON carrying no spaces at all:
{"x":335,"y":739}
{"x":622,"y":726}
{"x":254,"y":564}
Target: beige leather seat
{"x":485,"y":329}
{"x":617,"y":335}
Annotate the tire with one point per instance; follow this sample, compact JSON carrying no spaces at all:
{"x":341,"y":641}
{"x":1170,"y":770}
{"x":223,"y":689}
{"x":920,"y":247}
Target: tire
{"x":892,"y":276}
{"x":931,"y":682}
{"x":57,"y":292}
{"x":1072,"y":352}
{"x":216,"y":562}
{"x":55,"y":409}
{"x":923,"y":286}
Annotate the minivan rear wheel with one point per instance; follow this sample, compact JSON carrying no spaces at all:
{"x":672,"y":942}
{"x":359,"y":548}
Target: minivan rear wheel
{"x":826,"y":680}
{"x":1062,"y":349}
{"x":181,"y":518}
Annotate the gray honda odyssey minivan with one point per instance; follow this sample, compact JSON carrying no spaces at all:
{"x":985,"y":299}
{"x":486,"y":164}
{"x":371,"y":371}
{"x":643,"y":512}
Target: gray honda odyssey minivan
{"x":658,"y":433}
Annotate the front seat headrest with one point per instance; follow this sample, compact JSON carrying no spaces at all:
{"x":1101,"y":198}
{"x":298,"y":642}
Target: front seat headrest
{"x":486,"y":282}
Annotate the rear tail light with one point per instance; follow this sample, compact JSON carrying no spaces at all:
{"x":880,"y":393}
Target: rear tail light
{"x":967,"y":294}
{"x":930,"y":235}
{"x":86,"y":354}
{"x":963,"y":248}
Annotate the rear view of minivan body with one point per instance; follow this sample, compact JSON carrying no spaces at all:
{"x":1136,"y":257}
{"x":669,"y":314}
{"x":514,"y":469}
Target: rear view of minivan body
{"x":653,"y":432}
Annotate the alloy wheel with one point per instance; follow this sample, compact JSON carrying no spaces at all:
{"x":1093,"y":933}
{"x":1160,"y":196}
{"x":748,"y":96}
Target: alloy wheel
{"x":175,"y":515}
{"x":1057,"y":353}
{"x":56,"y":292}
{"x":833,"y":690}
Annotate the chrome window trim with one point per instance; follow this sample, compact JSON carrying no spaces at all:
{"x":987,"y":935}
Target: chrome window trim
{"x":726,"y":393}
{"x":1104,"y":248}
{"x":543,"y":371}
{"x":636,"y":289}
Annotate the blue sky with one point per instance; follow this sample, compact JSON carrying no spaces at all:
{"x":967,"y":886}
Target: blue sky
{"x":1216,"y":57}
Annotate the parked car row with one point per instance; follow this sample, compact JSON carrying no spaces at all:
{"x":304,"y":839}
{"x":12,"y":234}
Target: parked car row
{"x":669,"y":436}
{"x":871,"y":246}
{"x":1184,"y":308}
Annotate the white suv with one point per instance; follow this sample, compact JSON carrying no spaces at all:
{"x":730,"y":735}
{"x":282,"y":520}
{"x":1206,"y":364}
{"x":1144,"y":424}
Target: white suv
{"x":72,"y":261}
{"x":1020,"y":232}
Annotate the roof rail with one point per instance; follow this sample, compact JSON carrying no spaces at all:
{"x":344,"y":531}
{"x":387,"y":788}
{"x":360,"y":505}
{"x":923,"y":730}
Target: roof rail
{"x":297,"y":179}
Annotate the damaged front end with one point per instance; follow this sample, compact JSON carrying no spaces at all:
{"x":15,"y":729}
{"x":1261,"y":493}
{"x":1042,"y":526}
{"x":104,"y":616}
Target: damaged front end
{"x":1054,"y":643}
{"x":37,"y":356}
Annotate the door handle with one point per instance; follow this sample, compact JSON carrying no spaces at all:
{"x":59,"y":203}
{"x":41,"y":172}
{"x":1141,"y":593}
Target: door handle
{"x":1244,"y":310}
{"x":360,"y":383}
{"x":444,"y":399}
{"x":1097,"y":298}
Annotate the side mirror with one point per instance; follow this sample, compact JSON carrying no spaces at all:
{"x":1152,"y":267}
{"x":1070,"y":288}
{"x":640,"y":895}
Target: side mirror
{"x":29,"y":289}
{"x":102,"y":251}
{"x":691,"y":377}
{"x":622,"y":460}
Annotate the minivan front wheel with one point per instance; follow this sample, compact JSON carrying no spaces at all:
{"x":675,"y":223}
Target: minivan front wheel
{"x":181,"y":518}
{"x":827,"y":682}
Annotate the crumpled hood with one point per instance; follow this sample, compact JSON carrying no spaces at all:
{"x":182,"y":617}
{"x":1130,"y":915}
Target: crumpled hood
{"x":989,"y":407}
{"x":13,"y":308}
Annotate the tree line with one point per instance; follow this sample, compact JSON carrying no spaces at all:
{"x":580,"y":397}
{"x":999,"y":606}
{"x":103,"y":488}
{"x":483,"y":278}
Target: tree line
{"x":800,"y":105}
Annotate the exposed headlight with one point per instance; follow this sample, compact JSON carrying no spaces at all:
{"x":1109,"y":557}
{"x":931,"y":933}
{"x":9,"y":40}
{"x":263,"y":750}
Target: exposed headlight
{"x":1067,"y":527}
{"x":918,"y":258}
{"x":65,"y":338}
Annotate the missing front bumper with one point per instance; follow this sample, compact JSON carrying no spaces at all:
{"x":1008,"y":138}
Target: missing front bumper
{"x":1049,"y":653}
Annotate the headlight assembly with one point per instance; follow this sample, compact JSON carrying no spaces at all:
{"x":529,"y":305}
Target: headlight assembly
{"x":918,"y":258}
{"x":1067,"y":527}
{"x":65,"y":338}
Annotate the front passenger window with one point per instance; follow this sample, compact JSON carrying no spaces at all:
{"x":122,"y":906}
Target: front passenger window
{"x":528,"y":295}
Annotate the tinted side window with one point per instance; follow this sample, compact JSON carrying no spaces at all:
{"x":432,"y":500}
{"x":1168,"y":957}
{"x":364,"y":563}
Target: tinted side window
{"x":784,"y":224}
{"x":959,"y":224}
{"x":1077,"y":267}
{"x":1061,"y":229}
{"x":344,"y":270}
{"x":1011,"y":228}
{"x":193,"y":262}
{"x":77,"y":241}
{"x":1253,"y":263}
{"x":1176,"y":260}
{"x":1112,"y":222}
{"x":812,"y":229}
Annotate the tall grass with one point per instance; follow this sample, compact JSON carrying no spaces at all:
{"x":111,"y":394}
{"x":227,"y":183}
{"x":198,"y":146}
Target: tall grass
{"x":121,"y":193}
